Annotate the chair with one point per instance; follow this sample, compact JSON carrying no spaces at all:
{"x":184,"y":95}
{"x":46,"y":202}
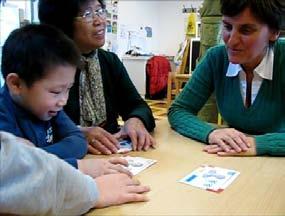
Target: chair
{"x":174,"y":85}
{"x":157,"y":71}
{"x":176,"y":79}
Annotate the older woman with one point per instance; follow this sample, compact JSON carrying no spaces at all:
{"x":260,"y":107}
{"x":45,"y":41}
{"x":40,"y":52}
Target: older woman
{"x":102,"y":89}
{"x":247,"y":75}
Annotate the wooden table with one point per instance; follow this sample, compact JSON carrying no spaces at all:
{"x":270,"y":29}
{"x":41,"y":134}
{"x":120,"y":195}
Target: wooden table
{"x":258,"y":190}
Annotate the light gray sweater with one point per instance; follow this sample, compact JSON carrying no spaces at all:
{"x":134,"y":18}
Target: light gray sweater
{"x":34,"y":182}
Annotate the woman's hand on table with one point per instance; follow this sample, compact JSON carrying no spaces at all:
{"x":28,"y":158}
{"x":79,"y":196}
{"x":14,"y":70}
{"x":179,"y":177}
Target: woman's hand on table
{"x":235,"y":143}
{"x":135,"y":130}
{"x":229,"y":138}
{"x":100,"y":141}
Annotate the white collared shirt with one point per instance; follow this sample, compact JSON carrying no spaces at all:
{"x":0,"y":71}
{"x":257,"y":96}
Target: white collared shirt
{"x":263,"y":71}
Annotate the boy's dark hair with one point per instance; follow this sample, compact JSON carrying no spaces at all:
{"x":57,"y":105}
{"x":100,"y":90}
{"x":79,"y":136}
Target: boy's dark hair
{"x":61,"y":13}
{"x":269,"y":12}
{"x":32,"y":50}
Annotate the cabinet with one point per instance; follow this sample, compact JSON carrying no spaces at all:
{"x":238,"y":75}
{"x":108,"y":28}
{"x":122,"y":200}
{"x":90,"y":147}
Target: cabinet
{"x":136,"y":68}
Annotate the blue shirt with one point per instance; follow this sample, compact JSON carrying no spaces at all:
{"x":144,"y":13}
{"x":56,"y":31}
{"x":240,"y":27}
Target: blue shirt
{"x":59,"y":136}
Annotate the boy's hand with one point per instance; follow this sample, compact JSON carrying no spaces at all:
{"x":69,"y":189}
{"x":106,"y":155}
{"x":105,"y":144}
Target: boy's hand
{"x":25,"y":141}
{"x":100,"y":141}
{"x":117,"y":189}
{"x":136,"y":131}
{"x":99,"y":167}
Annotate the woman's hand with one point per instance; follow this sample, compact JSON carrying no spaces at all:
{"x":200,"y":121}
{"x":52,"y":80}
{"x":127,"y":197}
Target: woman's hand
{"x":216,"y":149}
{"x":228,"y":139}
{"x":136,"y":131}
{"x":100,"y":141}
{"x":99,"y":167}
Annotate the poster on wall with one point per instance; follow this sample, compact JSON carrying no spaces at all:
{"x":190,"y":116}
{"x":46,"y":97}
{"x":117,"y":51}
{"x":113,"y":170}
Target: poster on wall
{"x":114,"y":27}
{"x":111,"y":43}
{"x":148,"y":31}
{"x":108,"y":26}
{"x":134,"y":39}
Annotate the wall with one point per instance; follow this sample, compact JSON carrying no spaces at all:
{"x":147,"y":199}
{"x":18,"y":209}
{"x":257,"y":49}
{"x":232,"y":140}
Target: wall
{"x":164,"y":16}
{"x":133,"y":15}
{"x":172,"y":24}
{"x":10,"y":16}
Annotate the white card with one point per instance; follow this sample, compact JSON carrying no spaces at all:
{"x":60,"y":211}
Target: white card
{"x":210,"y":178}
{"x":125,"y":146}
{"x":138,"y":164}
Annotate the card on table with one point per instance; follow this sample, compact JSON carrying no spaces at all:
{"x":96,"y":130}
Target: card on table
{"x":210,"y":178}
{"x":138,"y":164}
{"x":125,"y":146}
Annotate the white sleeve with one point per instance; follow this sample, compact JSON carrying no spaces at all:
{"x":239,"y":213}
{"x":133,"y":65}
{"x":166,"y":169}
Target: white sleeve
{"x":34,"y":182}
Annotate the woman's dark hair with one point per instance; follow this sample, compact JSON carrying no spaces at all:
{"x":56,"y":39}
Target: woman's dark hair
{"x":31,"y":51}
{"x":61,"y":13}
{"x":269,"y":12}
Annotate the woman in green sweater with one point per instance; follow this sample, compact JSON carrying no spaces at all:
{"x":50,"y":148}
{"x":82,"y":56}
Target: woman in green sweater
{"x":247,"y":75}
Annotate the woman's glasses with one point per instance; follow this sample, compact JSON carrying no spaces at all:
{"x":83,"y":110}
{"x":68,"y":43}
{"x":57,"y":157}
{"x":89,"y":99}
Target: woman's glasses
{"x":89,"y":15}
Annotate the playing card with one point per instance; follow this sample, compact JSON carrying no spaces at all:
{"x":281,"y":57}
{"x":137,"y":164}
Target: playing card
{"x":125,"y":146}
{"x":210,"y":178}
{"x":138,"y":164}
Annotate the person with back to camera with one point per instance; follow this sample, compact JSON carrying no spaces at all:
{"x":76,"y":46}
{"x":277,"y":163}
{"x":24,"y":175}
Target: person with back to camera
{"x":31,"y":187}
{"x":247,"y":75}
{"x":102,"y":90}
{"x":38,"y":65}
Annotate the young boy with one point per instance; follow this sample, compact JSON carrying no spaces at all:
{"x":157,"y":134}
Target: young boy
{"x":30,"y":187}
{"x":38,"y":65}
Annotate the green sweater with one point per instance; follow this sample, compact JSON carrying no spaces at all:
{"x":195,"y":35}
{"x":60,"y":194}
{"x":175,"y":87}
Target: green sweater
{"x":265,"y":118}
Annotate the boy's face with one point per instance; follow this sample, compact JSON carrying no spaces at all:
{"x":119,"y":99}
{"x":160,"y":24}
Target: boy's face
{"x":48,"y":95}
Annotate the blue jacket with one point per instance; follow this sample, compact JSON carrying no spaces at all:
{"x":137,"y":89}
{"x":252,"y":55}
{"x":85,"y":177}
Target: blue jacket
{"x":59,"y":136}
